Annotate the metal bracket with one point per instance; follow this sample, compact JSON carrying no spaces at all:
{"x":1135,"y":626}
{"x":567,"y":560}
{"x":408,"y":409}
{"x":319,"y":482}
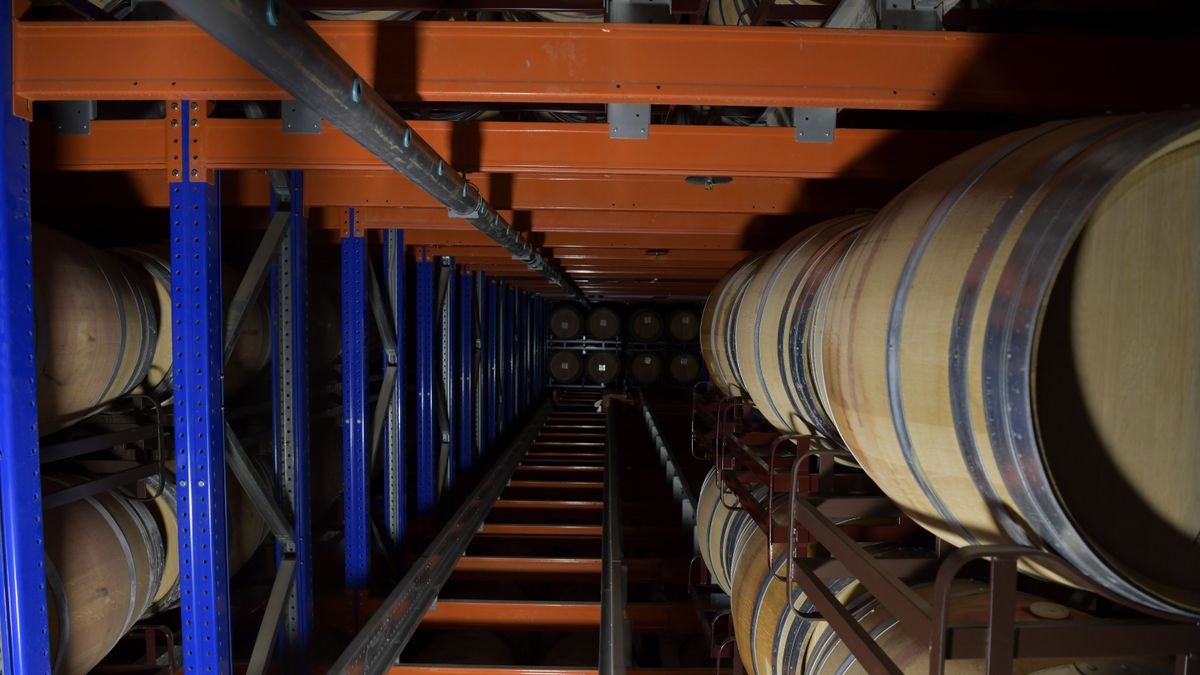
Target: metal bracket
{"x":911,"y":14}
{"x":814,"y":125}
{"x":73,"y":118}
{"x":629,"y":120}
{"x":299,"y":118}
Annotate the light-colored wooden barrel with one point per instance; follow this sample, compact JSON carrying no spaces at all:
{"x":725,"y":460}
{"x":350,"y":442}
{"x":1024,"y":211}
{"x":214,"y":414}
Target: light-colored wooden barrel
{"x":683,"y":324}
{"x":1011,"y":350}
{"x":566,"y":367}
{"x":715,"y":343}
{"x":772,"y":638}
{"x":370,"y":15}
{"x":603,"y":323}
{"x":95,"y":328}
{"x":603,"y":367}
{"x":645,"y":367}
{"x":721,"y":531}
{"x":566,"y":322}
{"x":645,"y":325}
{"x":684,"y":367}
{"x":773,"y":326}
{"x":828,"y":655}
{"x":252,"y":351}
{"x":104,"y":564}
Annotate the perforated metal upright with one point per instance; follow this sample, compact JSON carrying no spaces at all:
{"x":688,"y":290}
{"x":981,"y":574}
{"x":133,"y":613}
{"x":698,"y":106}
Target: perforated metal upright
{"x":395,"y":498}
{"x":289,"y":367}
{"x":478,"y":387}
{"x":493,"y":347}
{"x":23,"y":620}
{"x":425,"y":365}
{"x":355,"y":498}
{"x":447,"y":423}
{"x":512,"y":340}
{"x":197,"y":337}
{"x":463,"y":364}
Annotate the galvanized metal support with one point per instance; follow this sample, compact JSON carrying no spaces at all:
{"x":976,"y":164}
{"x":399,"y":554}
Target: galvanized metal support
{"x":198,"y":336}
{"x":355,"y":475}
{"x":24,"y":635}
{"x":376,"y":647}
{"x":447,"y":404}
{"x":274,"y":38}
{"x":479,"y":363}
{"x":425,"y":364}
{"x":289,"y":370}
{"x":616,"y":647}
{"x":394,"y":457}
{"x":464,"y":365}
{"x":632,"y":120}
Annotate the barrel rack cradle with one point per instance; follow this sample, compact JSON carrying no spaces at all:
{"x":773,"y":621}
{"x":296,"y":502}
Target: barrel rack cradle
{"x":747,"y":453}
{"x":181,"y":65}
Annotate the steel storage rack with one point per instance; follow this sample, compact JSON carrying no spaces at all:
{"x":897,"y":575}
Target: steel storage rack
{"x":534,"y":210}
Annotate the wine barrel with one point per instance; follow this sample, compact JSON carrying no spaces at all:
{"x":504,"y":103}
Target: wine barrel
{"x":566,"y":367}
{"x":369,"y":15}
{"x":684,"y":368}
{"x":96,"y":328}
{"x":773,"y":326}
{"x":645,"y":367}
{"x":969,"y":604}
{"x":683,"y":324}
{"x":1011,"y":350}
{"x":252,"y":351}
{"x":603,"y":324}
{"x":645,"y":325}
{"x":104,"y":560}
{"x":772,"y":638}
{"x":722,"y":531}
{"x":566,"y":322}
{"x":603,"y":367}
{"x":716,"y":344}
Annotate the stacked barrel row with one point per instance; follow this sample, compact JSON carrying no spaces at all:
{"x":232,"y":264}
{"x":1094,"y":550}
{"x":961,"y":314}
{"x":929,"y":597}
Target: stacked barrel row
{"x":659,"y":344}
{"x":103,"y":330}
{"x":1010,"y":349}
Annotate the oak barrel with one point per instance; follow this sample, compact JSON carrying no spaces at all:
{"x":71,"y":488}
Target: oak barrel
{"x":104,"y":560}
{"x":684,"y":368}
{"x":566,"y":367}
{"x":566,"y":322}
{"x":96,"y":328}
{"x":774,"y":324}
{"x":1011,"y":350}
{"x":645,"y":367}
{"x":683,"y":324}
{"x":645,"y":325}
{"x":603,"y":323}
{"x":603,"y":367}
{"x":716,"y":343}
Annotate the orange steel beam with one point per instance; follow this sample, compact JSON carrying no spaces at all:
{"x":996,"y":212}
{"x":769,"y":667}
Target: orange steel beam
{"x":513,"y":614}
{"x":543,"y":504}
{"x":640,"y":569}
{"x":599,"y":63}
{"x":521,"y":147}
{"x":522,"y":192}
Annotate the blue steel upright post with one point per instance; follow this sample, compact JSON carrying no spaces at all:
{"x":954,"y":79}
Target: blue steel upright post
{"x":395,"y":518}
{"x":197,"y":336}
{"x":425,"y":365}
{"x":289,"y":367}
{"x":23,"y":616}
{"x":510,"y":355}
{"x":356,"y":485}
{"x":466,"y":340}
{"x":491,"y":360}
{"x":479,"y":368}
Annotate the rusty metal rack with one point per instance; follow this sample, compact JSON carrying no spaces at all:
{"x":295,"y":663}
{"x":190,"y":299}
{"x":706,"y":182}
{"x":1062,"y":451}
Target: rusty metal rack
{"x":833,"y":509}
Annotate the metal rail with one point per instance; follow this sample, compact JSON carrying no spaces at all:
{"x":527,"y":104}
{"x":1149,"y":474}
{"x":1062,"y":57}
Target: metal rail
{"x":389,"y":629}
{"x":614,"y":647}
{"x":275,"y":39}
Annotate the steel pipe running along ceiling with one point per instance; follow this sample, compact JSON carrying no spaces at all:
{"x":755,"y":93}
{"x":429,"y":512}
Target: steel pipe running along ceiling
{"x":275,"y":39}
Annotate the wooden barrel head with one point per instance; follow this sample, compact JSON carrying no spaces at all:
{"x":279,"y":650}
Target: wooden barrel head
{"x":645,"y":367}
{"x":683,"y":324}
{"x":566,"y":367}
{"x":684,"y":367}
{"x":603,"y":323}
{"x":603,"y":367}
{"x":645,"y":325}
{"x":566,"y":322}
